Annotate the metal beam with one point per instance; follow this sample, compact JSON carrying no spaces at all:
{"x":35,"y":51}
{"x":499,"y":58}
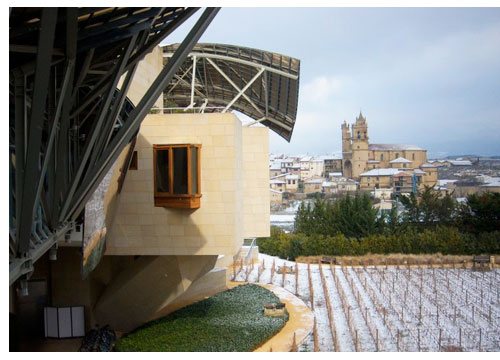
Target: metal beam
{"x":97,"y":125}
{"x":242,"y":91}
{"x":55,"y":127}
{"x":95,"y":175}
{"x":62,"y":159}
{"x":19,"y":97}
{"x":179,"y":79}
{"x":234,"y":85}
{"x":28,"y":49}
{"x":118,"y":105}
{"x":193,"y":81}
{"x":46,"y":42}
{"x":138,"y":56}
{"x":239,"y":61}
{"x":24,"y":265}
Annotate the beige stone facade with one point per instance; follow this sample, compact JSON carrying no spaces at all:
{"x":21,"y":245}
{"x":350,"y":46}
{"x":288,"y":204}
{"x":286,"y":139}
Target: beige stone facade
{"x":256,"y":196}
{"x":233,"y":174}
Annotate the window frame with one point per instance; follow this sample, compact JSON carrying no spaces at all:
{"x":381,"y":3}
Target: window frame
{"x":162,"y":198}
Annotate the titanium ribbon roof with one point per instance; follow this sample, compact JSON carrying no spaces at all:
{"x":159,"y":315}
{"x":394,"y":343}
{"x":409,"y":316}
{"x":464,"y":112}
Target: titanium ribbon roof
{"x":260,"y":84}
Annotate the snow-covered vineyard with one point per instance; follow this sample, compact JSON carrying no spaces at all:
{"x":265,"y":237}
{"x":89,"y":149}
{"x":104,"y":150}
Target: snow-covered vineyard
{"x":389,"y":308}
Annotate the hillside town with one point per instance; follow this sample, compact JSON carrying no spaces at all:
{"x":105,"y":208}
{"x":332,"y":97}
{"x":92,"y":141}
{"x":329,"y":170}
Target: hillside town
{"x":383,"y":170}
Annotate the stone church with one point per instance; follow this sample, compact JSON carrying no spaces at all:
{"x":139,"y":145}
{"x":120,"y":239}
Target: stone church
{"x":359,"y":156}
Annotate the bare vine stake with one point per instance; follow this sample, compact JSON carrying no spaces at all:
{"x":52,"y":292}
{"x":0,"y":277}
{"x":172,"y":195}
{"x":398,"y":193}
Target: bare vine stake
{"x":356,"y":343}
{"x":247,"y":273}
{"x":294,"y":344}
{"x":234,"y":271}
{"x":272,"y":272}
{"x":480,"y":333}
{"x":460,"y":337}
{"x":296,"y":279}
{"x":311,"y":290}
{"x":283,"y":270}
{"x":315,"y":337}
{"x":439,"y":343}
{"x":376,"y":340}
{"x":397,"y":340}
{"x":418,"y":338}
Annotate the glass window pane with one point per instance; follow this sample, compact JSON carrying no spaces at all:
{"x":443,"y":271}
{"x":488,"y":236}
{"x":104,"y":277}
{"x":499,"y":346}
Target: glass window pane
{"x":180,"y":171}
{"x":194,"y":170}
{"x":162,"y":171}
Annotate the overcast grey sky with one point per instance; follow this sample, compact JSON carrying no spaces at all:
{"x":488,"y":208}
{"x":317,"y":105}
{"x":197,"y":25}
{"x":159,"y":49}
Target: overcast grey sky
{"x":423,"y":76}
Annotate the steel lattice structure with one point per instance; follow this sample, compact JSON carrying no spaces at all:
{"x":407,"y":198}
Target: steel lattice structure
{"x":68,"y":122}
{"x":260,"y":84}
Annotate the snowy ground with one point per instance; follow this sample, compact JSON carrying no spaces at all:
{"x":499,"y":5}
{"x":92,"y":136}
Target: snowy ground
{"x":379,"y":308}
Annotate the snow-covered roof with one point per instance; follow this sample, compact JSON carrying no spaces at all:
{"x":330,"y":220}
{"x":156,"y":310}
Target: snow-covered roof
{"x":427,"y":165}
{"x":292,"y":177}
{"x":306,"y":158}
{"x":492,"y":184}
{"x":419,"y":172}
{"x":443,"y":182}
{"x":314,"y":181}
{"x":328,"y":184}
{"x":400,"y":160}
{"x":276,"y":181}
{"x":460,"y":162}
{"x":373,"y":161}
{"x":275,"y":166}
{"x":330,"y":157}
{"x":335,"y":174}
{"x":393,"y":147}
{"x":402,"y":173}
{"x":380,"y":172}
{"x":276,"y":191}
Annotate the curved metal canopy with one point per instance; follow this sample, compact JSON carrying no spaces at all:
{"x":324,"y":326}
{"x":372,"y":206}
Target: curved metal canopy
{"x":260,"y":84}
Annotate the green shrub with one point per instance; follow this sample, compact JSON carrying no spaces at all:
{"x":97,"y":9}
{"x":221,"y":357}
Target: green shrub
{"x":439,"y":239}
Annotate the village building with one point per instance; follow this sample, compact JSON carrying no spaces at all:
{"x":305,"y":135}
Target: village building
{"x":292,"y":183}
{"x":276,"y":197}
{"x":313,"y":186}
{"x":331,"y":163}
{"x":329,"y":187}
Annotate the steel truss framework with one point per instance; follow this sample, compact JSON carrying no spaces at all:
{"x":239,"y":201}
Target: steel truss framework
{"x":260,"y":84}
{"x":68,"y":122}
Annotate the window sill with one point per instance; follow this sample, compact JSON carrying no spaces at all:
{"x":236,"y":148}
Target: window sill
{"x":178,"y":201}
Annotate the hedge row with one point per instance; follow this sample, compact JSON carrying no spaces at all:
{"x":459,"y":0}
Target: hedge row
{"x":446,"y":240}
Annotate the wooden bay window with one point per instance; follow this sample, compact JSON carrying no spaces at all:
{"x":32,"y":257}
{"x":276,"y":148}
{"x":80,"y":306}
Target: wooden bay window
{"x":177,"y":175}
